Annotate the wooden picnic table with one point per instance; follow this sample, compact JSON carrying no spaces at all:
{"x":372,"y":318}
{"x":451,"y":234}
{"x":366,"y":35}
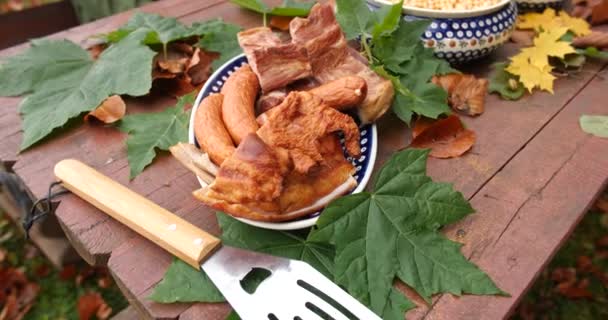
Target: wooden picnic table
{"x":531,"y":176}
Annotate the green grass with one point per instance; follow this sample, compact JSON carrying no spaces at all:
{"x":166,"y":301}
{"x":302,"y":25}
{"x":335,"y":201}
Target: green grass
{"x":57,"y":298}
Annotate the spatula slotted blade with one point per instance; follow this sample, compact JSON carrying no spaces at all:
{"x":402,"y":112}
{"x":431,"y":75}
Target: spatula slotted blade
{"x":294,"y":290}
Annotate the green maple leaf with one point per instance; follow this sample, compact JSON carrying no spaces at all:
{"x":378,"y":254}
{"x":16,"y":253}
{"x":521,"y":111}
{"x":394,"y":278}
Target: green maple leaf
{"x":182,"y":283}
{"x":277,"y":243}
{"x":151,"y":131}
{"x":393,"y":232}
{"x":219,"y":37}
{"x":499,"y":83}
{"x":65,"y":81}
{"x":160,"y":30}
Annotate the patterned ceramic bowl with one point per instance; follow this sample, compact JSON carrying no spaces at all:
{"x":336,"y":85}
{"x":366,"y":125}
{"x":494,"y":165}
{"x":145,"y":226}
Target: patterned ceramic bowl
{"x":538,"y":5}
{"x":363,"y":166}
{"x":462,"y":36}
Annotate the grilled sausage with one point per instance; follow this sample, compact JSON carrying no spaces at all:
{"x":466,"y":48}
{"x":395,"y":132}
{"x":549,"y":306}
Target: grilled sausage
{"x":210,"y":131}
{"x":240,"y":92}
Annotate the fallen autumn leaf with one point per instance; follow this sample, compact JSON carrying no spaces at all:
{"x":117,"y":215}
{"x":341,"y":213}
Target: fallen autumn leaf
{"x":447,"y":138}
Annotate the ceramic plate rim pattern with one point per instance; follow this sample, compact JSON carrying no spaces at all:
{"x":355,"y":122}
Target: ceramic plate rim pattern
{"x":430,"y":13}
{"x":289,"y":225}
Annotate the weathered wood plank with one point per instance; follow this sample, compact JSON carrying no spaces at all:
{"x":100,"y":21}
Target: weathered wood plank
{"x":530,"y":207}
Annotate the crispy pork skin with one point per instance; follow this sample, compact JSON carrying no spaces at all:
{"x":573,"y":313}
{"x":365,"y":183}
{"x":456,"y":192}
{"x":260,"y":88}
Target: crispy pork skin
{"x":240,"y":91}
{"x":298,"y":124}
{"x":275,"y":62}
{"x":331,"y":60}
{"x":210,"y":131}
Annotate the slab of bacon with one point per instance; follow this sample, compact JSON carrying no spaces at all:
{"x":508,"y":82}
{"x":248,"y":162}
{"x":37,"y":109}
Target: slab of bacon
{"x":329,"y":59}
{"x":275,"y":62}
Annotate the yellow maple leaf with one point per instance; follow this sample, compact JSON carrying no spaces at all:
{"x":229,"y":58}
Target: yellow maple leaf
{"x":578,"y":26}
{"x":549,"y":20}
{"x":538,"y":21}
{"x":548,"y":42}
{"x":532,"y":77}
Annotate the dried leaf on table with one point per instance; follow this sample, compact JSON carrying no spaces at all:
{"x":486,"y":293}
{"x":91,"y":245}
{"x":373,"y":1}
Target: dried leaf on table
{"x":281,"y":23}
{"x":92,"y":304}
{"x":447,"y":138}
{"x":596,"y":11}
{"x":549,"y":20}
{"x":17,"y":294}
{"x":532,"y":66}
{"x":191,"y":77}
{"x":199,"y":68}
{"x":595,"y":39}
{"x":96,"y":49}
{"x":466,"y":93}
{"x":523,"y":37}
{"x":175,"y":58}
{"x":109,"y":111}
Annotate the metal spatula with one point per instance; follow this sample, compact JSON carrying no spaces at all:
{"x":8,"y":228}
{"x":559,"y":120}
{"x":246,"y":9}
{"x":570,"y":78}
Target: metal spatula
{"x":294,"y":289}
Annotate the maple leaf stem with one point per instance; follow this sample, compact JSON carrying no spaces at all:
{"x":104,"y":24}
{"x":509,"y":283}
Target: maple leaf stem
{"x":367,"y":49}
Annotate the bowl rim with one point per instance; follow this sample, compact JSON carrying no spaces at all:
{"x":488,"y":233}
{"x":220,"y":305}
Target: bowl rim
{"x":431,"y":13}
{"x":289,"y":225}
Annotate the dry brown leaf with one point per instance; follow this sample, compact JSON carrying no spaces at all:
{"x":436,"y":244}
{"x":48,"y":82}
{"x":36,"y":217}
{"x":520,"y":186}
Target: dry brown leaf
{"x":17,"y":294}
{"x":89,"y":305}
{"x":594,"y":39}
{"x":96,"y":49}
{"x":466,"y":93}
{"x":199,"y":68}
{"x":109,"y":111}
{"x":192,"y":77}
{"x":596,"y":11}
{"x":68,"y":272}
{"x":421,"y":125}
{"x":3,"y":254}
{"x":447,"y":138}
{"x":281,"y":23}
{"x":524,"y":38}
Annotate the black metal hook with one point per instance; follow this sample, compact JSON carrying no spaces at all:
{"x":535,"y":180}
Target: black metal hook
{"x":37,"y":213}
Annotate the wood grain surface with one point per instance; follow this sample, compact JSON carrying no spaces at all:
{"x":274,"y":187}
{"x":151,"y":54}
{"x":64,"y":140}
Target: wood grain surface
{"x":530,"y":176}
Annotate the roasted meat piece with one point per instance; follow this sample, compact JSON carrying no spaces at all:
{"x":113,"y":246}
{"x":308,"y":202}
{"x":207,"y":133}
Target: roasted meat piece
{"x":331,"y":60}
{"x":252,"y":177}
{"x":276,"y":63}
{"x":299,"y":123}
{"x":247,"y":183}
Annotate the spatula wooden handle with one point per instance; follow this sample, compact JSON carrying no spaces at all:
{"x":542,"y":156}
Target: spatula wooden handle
{"x":158,"y":225}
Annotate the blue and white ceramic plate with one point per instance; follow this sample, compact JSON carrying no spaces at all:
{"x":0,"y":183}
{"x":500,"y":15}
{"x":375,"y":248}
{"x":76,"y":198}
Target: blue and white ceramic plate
{"x":364,"y":165}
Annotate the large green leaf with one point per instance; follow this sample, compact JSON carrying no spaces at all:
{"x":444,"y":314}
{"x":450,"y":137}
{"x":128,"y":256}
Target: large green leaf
{"x":277,"y":243}
{"x":393,"y":232}
{"x":151,"y":131}
{"x":220,"y":37}
{"x":66,"y":82}
{"x":182,"y":283}
{"x":160,"y":30}
{"x":355,"y":18}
